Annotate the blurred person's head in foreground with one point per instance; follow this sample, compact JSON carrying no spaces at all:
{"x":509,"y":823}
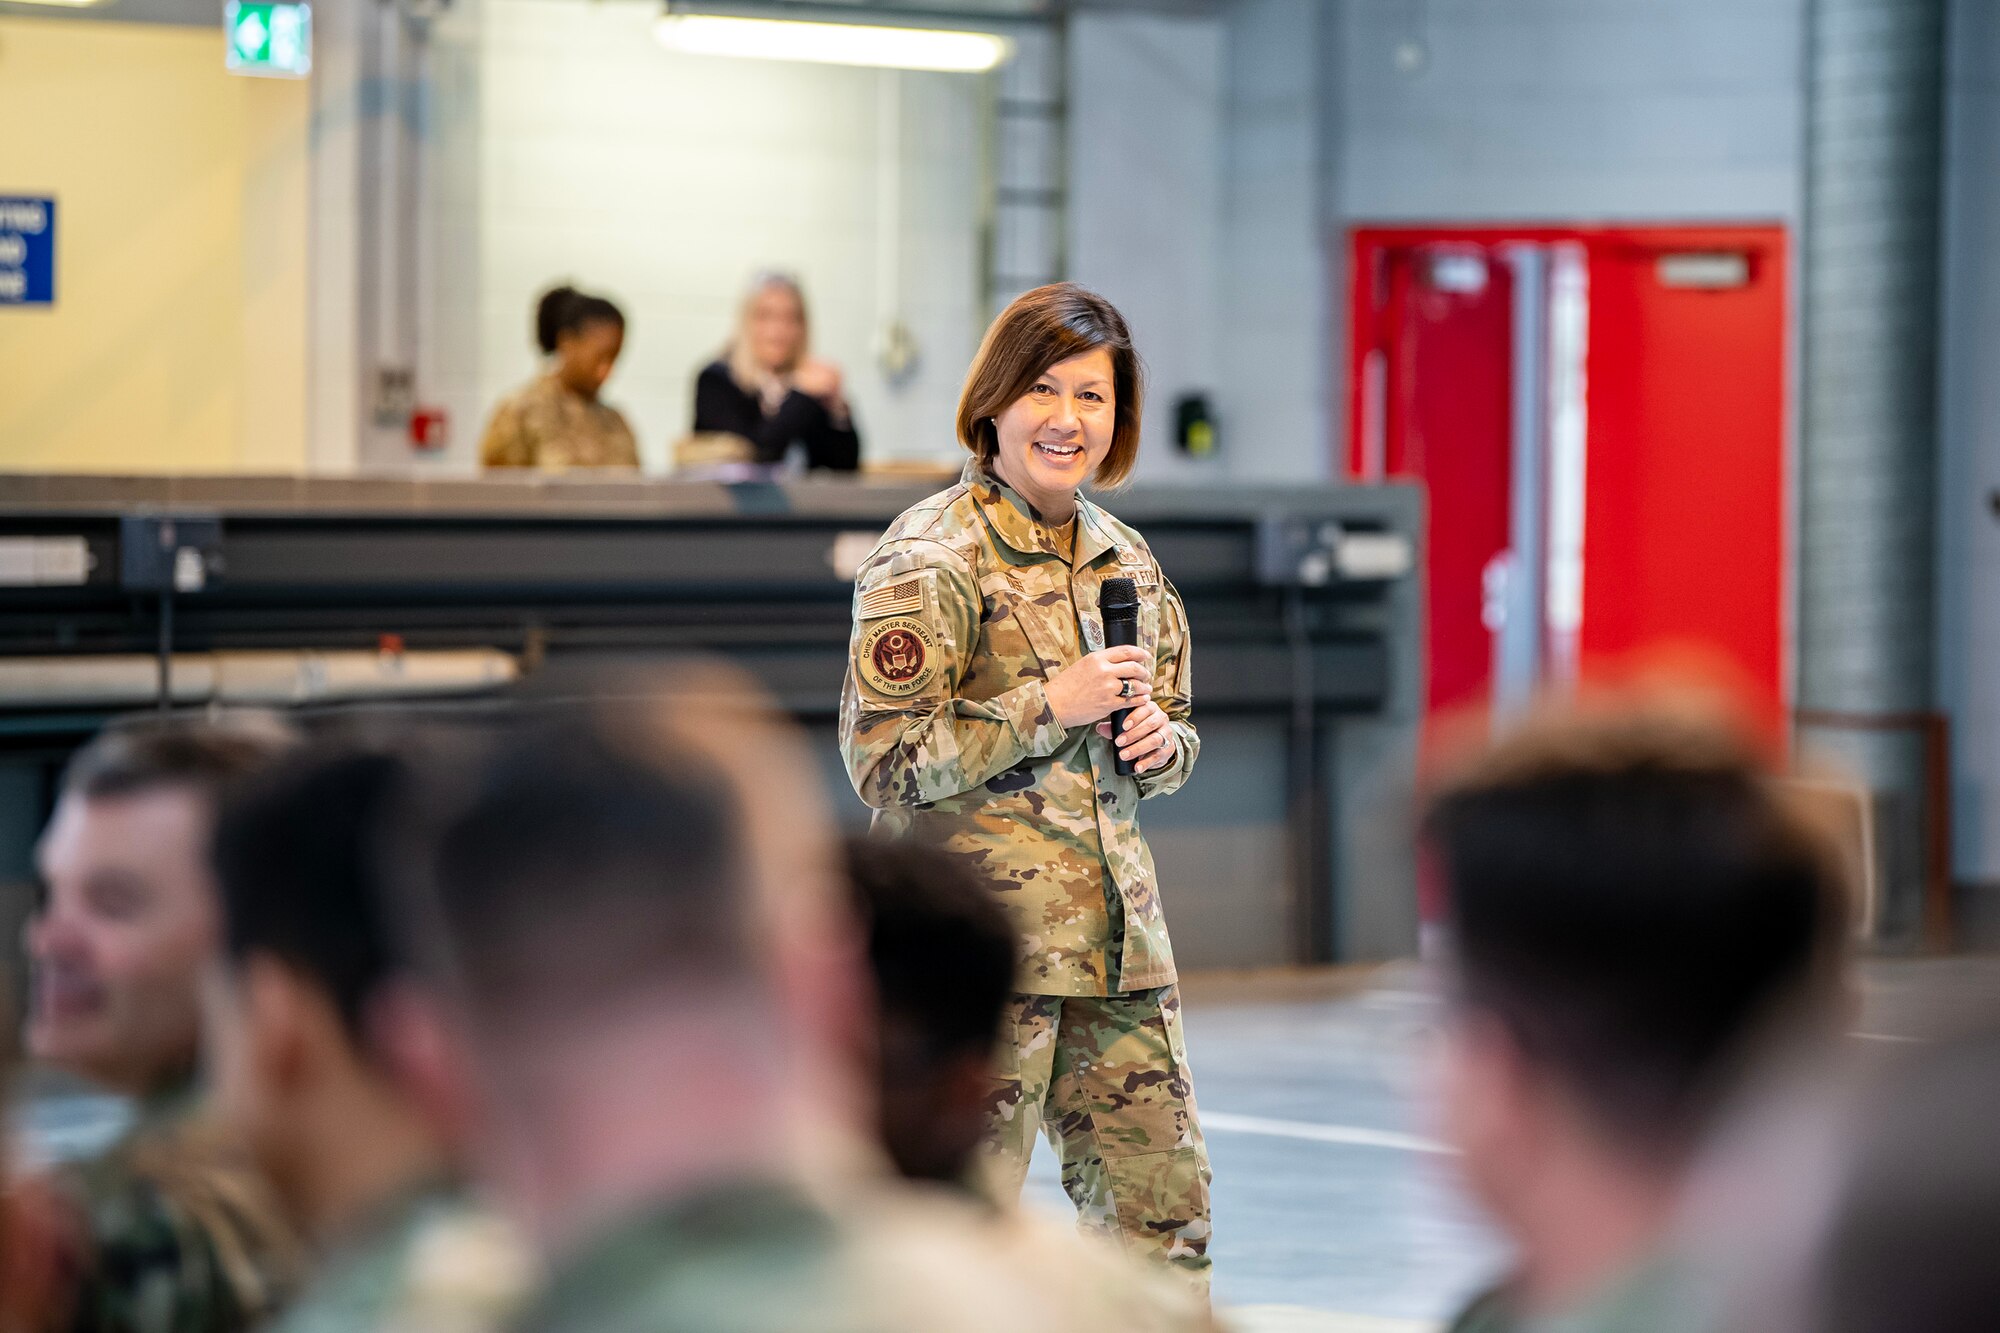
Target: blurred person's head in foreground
{"x":307,"y":1019}
{"x":646,"y":980}
{"x":1916,"y":1217}
{"x":583,"y":333}
{"x":309,"y":971}
{"x":128,"y":918}
{"x":1637,"y":915}
{"x":942,"y":953}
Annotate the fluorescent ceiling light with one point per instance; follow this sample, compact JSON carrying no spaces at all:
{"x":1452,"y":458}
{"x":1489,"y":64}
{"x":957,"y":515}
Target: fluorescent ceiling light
{"x":66,"y":4}
{"x":832,"y":43}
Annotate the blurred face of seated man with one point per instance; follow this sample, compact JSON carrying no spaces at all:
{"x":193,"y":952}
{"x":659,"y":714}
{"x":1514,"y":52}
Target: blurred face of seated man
{"x":128,"y":917}
{"x":1638,"y":921}
{"x":169,"y":1225}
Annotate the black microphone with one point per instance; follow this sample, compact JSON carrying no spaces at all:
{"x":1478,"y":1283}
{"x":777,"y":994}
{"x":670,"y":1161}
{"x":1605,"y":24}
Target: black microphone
{"x":1118,"y":603}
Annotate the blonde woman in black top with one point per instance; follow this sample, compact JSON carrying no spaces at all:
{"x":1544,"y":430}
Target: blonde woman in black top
{"x":768,"y":389}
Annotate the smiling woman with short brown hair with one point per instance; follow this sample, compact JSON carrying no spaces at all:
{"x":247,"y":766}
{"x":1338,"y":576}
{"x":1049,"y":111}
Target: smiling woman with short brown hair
{"x":1046,"y":327}
{"x":976,"y":716}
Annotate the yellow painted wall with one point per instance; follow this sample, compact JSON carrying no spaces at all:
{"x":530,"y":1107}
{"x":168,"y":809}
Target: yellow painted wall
{"x":177,"y":342}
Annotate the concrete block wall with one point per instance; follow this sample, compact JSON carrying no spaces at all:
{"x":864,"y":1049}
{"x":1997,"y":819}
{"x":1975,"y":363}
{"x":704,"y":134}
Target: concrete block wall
{"x":1145,"y":201}
{"x":1278,"y":345}
{"x":1654,"y":110}
{"x":1195,"y":205}
{"x":665,"y":181}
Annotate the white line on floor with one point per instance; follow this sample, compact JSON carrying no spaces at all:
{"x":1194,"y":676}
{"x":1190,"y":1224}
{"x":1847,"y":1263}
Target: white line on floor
{"x":1885,"y":1036}
{"x":1302,"y":1129}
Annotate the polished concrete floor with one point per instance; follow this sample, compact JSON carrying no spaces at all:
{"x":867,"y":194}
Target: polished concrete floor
{"x":1334,"y":1210}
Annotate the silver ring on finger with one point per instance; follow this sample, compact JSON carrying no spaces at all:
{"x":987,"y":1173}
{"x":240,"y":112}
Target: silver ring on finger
{"x":1125,"y":688}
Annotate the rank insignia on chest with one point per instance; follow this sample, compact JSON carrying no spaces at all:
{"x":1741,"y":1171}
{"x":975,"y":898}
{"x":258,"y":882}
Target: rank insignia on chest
{"x":898,"y":656}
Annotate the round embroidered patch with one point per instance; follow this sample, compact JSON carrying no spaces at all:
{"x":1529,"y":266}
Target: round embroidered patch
{"x":898,"y":656}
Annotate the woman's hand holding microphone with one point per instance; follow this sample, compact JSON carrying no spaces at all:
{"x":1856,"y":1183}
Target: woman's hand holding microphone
{"x":1099,"y":684}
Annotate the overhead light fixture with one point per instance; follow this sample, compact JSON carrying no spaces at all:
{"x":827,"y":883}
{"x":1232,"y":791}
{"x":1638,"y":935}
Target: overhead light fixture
{"x":66,"y":4}
{"x":943,"y":49}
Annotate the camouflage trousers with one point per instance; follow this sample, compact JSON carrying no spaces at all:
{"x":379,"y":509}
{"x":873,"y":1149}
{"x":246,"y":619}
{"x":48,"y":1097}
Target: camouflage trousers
{"x":1107,"y":1078}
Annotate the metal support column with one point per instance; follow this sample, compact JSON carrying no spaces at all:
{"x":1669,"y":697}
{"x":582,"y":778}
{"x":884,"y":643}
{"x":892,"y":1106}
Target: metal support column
{"x":1865,"y":564}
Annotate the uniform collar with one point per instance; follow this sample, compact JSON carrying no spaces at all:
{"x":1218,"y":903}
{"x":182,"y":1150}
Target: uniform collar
{"x":759,"y":1225}
{"x":1016,"y":523}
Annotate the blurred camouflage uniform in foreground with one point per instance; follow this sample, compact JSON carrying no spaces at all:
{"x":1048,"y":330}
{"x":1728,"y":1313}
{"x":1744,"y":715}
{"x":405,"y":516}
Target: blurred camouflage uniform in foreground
{"x":432,"y":1262}
{"x":1655,"y":1299}
{"x":753,"y":1258}
{"x":171,"y":1231}
{"x":962,"y":614}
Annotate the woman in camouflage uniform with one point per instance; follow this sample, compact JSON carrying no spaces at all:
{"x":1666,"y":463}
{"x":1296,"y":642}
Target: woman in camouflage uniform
{"x":558,"y":422}
{"x":975,"y":715}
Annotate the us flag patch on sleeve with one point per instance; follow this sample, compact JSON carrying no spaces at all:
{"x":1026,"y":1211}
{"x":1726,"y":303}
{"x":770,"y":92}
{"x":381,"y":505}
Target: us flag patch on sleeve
{"x":903,"y":597}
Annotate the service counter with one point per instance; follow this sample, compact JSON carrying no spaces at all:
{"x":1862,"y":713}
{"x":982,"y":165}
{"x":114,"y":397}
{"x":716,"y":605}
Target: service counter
{"x":334,"y":595}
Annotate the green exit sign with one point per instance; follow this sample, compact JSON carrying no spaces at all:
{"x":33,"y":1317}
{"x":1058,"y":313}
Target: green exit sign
{"x":269,"y":39}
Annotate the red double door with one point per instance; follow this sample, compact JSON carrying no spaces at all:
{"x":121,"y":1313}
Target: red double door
{"x":1599,"y":418}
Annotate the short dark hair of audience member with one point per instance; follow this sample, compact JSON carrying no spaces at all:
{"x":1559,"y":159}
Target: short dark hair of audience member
{"x":1910,"y":1245}
{"x":1044,"y":328}
{"x":1637,"y":914}
{"x":295,"y":1012}
{"x":579,"y":869}
{"x":128,"y":917}
{"x":647,"y":979}
{"x":942,"y":953}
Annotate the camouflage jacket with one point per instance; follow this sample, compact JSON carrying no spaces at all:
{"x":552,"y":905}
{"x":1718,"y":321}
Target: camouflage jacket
{"x":546,"y":426}
{"x":1658,"y":1296}
{"x":172,"y":1231}
{"x":431,"y":1261}
{"x":763,"y":1257}
{"x":962,"y":613}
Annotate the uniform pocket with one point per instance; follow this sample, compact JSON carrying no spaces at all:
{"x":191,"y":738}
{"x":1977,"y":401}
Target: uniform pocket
{"x":1022,"y":630}
{"x":1170,"y":1013}
{"x":1149,"y":621}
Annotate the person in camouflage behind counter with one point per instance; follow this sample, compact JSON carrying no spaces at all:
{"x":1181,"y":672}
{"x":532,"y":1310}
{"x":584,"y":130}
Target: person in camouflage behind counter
{"x":558,"y":422}
{"x":974,"y":715}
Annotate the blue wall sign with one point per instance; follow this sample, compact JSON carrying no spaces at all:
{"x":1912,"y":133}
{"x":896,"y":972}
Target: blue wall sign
{"x":27,"y":251}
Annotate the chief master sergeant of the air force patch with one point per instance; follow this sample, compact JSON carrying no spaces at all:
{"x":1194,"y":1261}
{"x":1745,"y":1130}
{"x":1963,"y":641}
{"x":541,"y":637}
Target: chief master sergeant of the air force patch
{"x":898,"y":656}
